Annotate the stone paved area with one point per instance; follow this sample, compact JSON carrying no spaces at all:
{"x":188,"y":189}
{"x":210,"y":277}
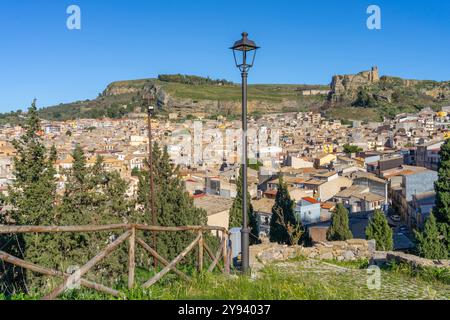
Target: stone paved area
{"x":394,"y":286}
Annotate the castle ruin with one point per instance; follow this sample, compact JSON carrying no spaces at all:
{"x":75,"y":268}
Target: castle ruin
{"x":351,"y":82}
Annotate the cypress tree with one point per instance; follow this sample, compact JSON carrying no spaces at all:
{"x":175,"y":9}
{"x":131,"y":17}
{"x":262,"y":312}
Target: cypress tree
{"x":379,"y":230}
{"x":32,"y":196}
{"x":174,"y":206}
{"x":236,"y":211}
{"x":435,"y":239}
{"x":339,"y":229}
{"x":94,"y":196}
{"x":430,"y":244}
{"x":283,"y":223}
{"x":442,"y":186}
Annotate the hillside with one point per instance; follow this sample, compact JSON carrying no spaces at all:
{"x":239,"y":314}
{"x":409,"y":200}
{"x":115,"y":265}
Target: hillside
{"x":373,"y":96}
{"x":123,"y":97}
{"x":363,"y":96}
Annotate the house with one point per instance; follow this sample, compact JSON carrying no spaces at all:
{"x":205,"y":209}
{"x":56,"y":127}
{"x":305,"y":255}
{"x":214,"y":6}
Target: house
{"x":194,"y":185}
{"x":415,"y":182}
{"x":7,"y":150}
{"x":298,"y":162}
{"x":325,"y":188}
{"x":308,"y":210}
{"x":419,"y":209}
{"x":359,"y":199}
{"x":135,"y":161}
{"x":263,"y":210}
{"x":217,"y":209}
{"x":376,"y":185}
{"x":324,"y":160}
{"x":64,"y":164}
{"x":427,"y":155}
{"x":385,"y":164}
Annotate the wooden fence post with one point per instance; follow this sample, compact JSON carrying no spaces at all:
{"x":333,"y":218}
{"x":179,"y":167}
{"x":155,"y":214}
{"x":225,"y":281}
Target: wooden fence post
{"x":226,"y":265}
{"x":88,"y":266}
{"x":130,"y":235}
{"x":200,"y":252}
{"x":131,"y":258}
{"x":172,"y":264}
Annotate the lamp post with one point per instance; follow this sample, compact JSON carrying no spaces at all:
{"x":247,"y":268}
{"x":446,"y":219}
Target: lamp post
{"x":244,"y":52}
{"x":150,"y":111}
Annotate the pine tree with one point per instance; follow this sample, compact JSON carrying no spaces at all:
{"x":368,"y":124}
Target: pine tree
{"x":379,"y":230}
{"x":236,"y":211}
{"x":284,"y":226}
{"x":430,"y":244}
{"x":339,"y":229}
{"x":32,"y":197}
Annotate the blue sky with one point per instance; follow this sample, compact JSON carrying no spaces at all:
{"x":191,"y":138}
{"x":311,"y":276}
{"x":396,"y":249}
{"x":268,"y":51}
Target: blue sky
{"x":302,"y":42}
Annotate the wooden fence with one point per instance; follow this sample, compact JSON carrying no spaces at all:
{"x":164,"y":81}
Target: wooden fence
{"x":223,"y":253}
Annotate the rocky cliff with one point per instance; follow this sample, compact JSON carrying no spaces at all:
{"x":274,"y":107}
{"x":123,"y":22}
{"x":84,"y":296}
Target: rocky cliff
{"x":191,"y":99}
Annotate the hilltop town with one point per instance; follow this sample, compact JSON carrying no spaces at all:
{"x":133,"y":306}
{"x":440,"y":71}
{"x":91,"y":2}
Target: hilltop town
{"x":388,"y":165}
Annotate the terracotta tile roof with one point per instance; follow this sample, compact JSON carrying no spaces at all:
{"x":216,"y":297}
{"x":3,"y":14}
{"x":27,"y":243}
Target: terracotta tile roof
{"x":328,"y":205}
{"x":271,"y":192}
{"x":310,"y":200}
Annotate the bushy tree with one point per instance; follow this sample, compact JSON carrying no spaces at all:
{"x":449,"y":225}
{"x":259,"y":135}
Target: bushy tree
{"x":284,"y":226}
{"x":174,"y":206}
{"x":430,"y":242}
{"x":365,"y":99}
{"x":236,"y":211}
{"x":339,"y":229}
{"x":379,"y":230}
{"x":351,"y":148}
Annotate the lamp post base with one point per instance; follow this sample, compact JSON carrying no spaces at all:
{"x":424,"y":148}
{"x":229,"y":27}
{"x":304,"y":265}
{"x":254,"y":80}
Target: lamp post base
{"x":245,"y":243}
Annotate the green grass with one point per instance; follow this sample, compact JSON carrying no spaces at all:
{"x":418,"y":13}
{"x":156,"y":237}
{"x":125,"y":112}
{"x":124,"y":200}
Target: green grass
{"x":353,"y":113}
{"x":270,"y":93}
{"x":290,"y":283}
{"x":428,"y":274}
{"x":271,"y":286}
{"x":357,"y":264}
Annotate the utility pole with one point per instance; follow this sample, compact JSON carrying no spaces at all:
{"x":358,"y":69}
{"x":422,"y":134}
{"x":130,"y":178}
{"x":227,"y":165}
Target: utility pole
{"x":151,"y":198}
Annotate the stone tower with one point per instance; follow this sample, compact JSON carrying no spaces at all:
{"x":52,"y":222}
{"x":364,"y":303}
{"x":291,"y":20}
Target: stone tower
{"x":374,"y":75}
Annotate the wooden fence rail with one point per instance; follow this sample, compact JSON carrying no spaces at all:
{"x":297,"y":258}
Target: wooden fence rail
{"x":130,"y":230}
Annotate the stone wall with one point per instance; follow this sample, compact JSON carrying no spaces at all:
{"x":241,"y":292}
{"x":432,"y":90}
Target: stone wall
{"x":415,"y":261}
{"x":351,"y":250}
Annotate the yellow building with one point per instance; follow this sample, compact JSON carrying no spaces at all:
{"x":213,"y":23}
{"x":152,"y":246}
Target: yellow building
{"x":324,"y":160}
{"x":328,"y":148}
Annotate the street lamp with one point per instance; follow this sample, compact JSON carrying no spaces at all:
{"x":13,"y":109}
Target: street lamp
{"x":244,"y":52}
{"x":150,"y":113}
